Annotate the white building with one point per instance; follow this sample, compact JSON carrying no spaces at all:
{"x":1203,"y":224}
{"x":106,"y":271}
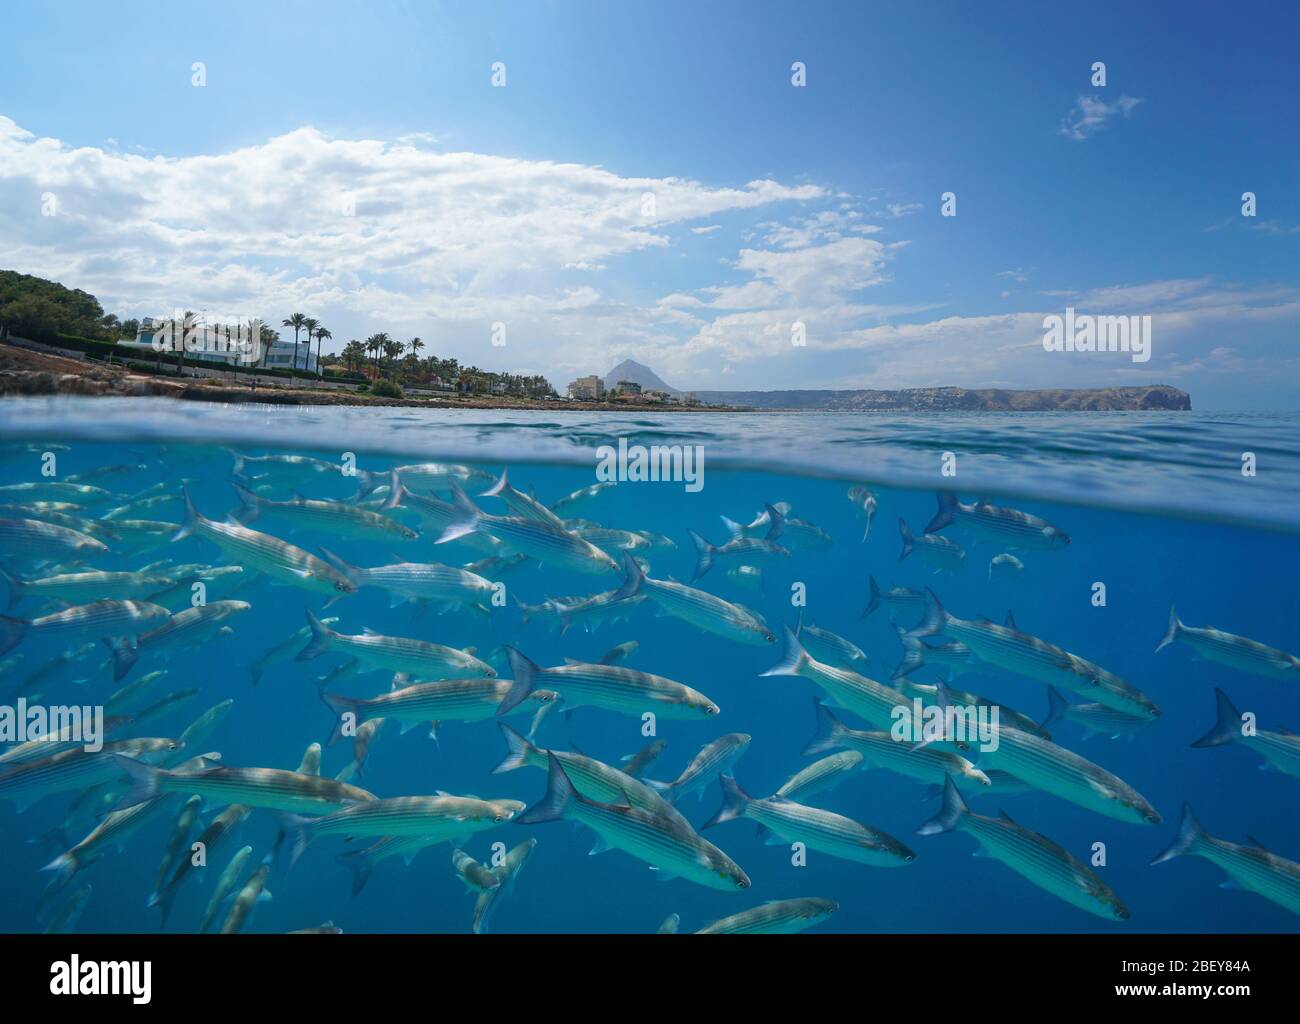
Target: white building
{"x":211,"y":345}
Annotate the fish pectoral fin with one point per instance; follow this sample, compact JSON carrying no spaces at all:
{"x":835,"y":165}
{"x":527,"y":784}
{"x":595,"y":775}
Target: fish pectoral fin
{"x":600,"y":846}
{"x":661,"y":875}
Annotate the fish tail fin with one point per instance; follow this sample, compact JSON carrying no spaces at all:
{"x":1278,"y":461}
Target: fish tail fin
{"x":250,"y":505}
{"x":367,"y":481}
{"x":14,"y":586}
{"x":470,"y":516}
{"x":500,"y":487}
{"x":704,"y":552}
{"x":360,"y":864}
{"x":349,"y":571}
{"x":144,"y":781}
{"x":950,"y":814}
{"x":11,"y":632}
{"x":192,"y":517}
{"x":667,"y":790}
{"x":126,"y":653}
{"x":396,"y":492}
{"x":320,"y":638}
{"x":1171,"y":634}
{"x":1227,"y":726}
{"x":633,"y":577}
{"x":525,"y":672}
{"x":297,"y":829}
{"x":517,"y":750}
{"x":829,"y":731}
{"x":341,"y":706}
{"x":254,"y":671}
{"x":64,"y":867}
{"x":935,"y":616}
{"x":734,"y":802}
{"x":913,"y":653}
{"x":559,"y":794}
{"x":1189,"y":833}
{"x":1056,"y":707}
{"x":793,"y":658}
{"x":777,"y":519}
{"x":873,"y":600}
{"x":942,"y":518}
{"x":908,"y":540}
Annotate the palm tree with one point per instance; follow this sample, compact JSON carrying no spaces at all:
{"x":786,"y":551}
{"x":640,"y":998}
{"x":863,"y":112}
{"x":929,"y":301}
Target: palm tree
{"x":297,"y":322}
{"x":310,"y":323}
{"x":354,"y":353}
{"x":269,"y":337}
{"x":392,"y":349}
{"x":321,"y":334}
{"x":191,"y":318}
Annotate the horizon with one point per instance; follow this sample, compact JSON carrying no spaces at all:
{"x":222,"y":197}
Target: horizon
{"x":657,"y":188}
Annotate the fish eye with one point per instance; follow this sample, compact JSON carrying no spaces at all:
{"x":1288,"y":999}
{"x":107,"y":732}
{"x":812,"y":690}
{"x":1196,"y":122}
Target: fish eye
{"x":742,"y":883}
{"x":909,"y":858}
{"x":499,"y":818}
{"x":1153,"y":818}
{"x":769,"y":638}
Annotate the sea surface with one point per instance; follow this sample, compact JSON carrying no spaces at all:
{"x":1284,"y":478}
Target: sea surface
{"x":1156,"y":507}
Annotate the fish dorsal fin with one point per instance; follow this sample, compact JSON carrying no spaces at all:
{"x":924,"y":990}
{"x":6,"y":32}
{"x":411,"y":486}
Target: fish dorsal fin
{"x":1005,"y":816}
{"x":572,"y":661}
{"x":401,"y":680}
{"x":576,"y":749}
{"x":1256,"y":843}
{"x":1010,"y":622}
{"x":367,"y":631}
{"x":298,"y":496}
{"x":627,"y":800}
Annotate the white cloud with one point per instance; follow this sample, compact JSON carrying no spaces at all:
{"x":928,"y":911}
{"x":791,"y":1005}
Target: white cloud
{"x":1091,"y":113}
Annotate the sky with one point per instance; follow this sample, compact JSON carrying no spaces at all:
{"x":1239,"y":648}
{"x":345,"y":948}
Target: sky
{"x":648,"y":182}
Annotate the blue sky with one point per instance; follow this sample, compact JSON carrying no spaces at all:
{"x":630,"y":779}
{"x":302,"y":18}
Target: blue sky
{"x":472,"y":205}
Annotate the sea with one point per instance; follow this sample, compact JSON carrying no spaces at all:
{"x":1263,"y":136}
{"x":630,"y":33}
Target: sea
{"x":1197,"y":511}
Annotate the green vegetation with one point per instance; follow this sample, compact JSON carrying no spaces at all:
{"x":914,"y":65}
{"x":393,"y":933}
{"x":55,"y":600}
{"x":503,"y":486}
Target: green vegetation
{"x":41,"y":310}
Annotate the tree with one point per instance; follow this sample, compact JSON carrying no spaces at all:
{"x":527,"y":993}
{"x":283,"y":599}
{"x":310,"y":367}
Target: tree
{"x":321,"y":334}
{"x":297,"y":322}
{"x":310,"y":323}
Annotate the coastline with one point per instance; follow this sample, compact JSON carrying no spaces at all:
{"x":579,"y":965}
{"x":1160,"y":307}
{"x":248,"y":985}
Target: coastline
{"x":28,"y":371}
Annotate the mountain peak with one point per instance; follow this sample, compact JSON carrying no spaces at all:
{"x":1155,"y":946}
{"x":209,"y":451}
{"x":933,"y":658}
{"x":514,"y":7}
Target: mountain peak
{"x":631,"y":370}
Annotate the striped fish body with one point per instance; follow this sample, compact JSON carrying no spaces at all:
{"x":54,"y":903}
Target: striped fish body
{"x":268,"y":788}
{"x":822,"y":775}
{"x":1280,"y":749}
{"x":713,"y":759}
{"x":1240,"y":653}
{"x":831,"y":648}
{"x":1098,"y":719}
{"x":77,"y":769}
{"x":414,"y":581}
{"x":1114,"y":692}
{"x":1063,"y":773}
{"x":405,"y":654}
{"x":95,"y":621}
{"x":56,"y":490}
{"x":245,"y":901}
{"x":827,"y":832}
{"x":507,"y":873}
{"x":549,"y":544}
{"x":624,"y":690}
{"x":31,"y":540}
{"x":871,"y":701}
{"x":438,"y":818}
{"x":605,"y":784}
{"x":80,"y":587}
{"x":926,"y":764}
{"x":1006,"y":526}
{"x":1025,"y":655}
{"x":444,"y":700}
{"x":1266,"y":874}
{"x":709,"y":613}
{"x":1045,"y":864}
{"x":779,"y":917}
{"x":476,"y":876}
{"x":521,"y":505}
{"x":336,"y":518}
{"x":276,"y":559}
{"x":192,"y":627}
{"x":929,"y":696}
{"x":437,"y":516}
{"x":590,"y":613}
{"x":661,"y":842}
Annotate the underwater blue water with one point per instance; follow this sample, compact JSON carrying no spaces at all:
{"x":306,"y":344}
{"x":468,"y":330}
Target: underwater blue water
{"x":1224,"y":549}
